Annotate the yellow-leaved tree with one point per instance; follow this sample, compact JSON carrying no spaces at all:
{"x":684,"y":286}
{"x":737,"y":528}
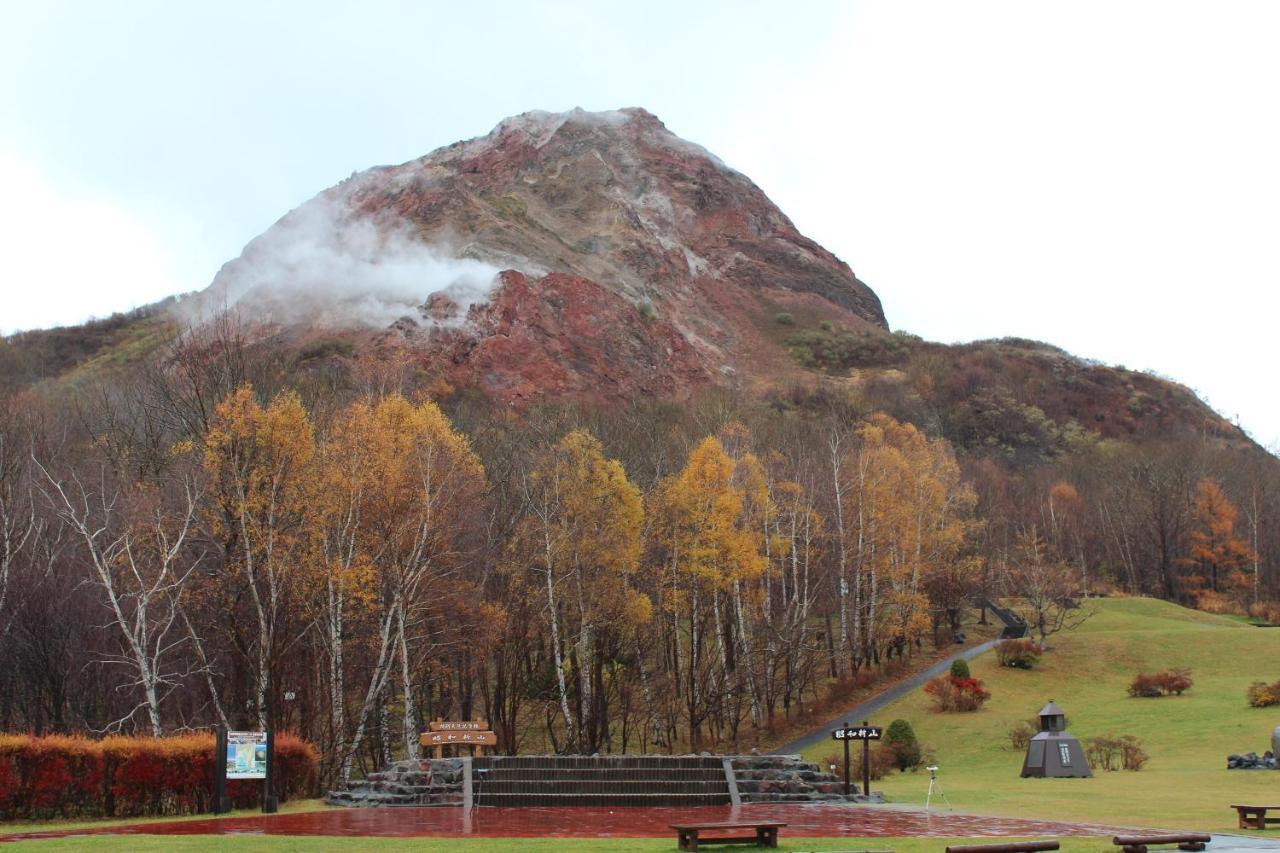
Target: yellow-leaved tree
{"x":707,"y":546}
{"x":578,"y":544}
{"x":906,"y":525}
{"x":395,"y":493}
{"x":258,"y":460}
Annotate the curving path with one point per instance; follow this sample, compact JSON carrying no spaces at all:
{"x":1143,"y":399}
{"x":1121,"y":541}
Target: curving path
{"x":867,"y":709}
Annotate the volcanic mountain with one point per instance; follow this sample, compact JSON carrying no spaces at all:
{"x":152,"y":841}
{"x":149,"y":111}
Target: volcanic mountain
{"x":563,"y":254}
{"x":597,"y":258}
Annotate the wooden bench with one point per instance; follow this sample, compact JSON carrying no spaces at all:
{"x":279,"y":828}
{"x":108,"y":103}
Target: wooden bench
{"x":1140,"y":843}
{"x":1005,"y":847}
{"x":763,"y":834}
{"x":1255,"y":817}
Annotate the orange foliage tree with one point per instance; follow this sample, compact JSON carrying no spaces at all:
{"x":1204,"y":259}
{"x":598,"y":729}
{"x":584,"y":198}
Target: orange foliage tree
{"x":1213,"y":546}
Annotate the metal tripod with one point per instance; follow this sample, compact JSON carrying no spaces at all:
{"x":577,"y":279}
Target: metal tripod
{"x":935,"y":785}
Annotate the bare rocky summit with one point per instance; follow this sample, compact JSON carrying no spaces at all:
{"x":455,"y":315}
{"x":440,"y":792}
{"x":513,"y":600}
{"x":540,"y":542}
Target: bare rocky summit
{"x":577,"y":253}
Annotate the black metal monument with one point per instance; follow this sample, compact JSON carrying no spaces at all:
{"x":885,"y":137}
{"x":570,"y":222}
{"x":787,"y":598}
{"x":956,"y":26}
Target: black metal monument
{"x":1055,"y":753}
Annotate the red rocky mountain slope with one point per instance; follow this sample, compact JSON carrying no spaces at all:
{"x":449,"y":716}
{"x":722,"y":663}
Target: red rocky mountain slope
{"x":583,"y":254}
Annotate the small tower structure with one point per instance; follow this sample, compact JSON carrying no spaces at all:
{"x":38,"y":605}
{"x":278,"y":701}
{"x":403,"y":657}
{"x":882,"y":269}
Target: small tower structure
{"x":1055,"y":753}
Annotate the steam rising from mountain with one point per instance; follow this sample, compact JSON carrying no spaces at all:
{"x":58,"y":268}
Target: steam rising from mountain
{"x":323,"y":266}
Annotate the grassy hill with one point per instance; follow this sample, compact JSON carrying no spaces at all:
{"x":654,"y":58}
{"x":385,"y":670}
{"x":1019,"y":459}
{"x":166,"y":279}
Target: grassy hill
{"x":1185,"y":783}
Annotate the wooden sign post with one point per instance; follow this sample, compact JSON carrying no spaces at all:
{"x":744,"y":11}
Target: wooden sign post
{"x":865,"y":733}
{"x":473,"y":733}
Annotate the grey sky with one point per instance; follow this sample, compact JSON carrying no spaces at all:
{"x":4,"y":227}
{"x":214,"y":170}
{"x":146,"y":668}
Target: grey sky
{"x":1103,"y":176}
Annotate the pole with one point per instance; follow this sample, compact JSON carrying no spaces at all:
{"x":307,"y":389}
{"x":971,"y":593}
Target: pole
{"x":270,"y":803}
{"x":866,"y":764}
{"x":846,"y":759}
{"x":221,"y":805}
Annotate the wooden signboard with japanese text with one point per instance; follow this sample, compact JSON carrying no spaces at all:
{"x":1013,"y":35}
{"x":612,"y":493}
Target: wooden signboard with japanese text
{"x":462,"y":738}
{"x":459,"y":726}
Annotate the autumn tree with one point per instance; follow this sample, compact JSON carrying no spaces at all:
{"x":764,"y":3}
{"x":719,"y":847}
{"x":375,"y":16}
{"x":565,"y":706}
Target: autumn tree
{"x":906,"y":522}
{"x":580,"y":538}
{"x":258,"y":461}
{"x":707,"y":546}
{"x":394,"y":488}
{"x":1213,"y":546}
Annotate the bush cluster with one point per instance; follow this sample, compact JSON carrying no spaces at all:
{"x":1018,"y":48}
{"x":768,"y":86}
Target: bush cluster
{"x":1171,"y":682}
{"x":1108,"y":752}
{"x":836,"y":351}
{"x":1021,"y":654}
{"x":64,"y":776}
{"x":950,"y":693}
{"x":1263,"y":695}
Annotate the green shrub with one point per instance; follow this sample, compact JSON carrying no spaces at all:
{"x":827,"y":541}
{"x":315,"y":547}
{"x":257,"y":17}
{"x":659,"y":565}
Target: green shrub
{"x":784,"y":319}
{"x":901,"y":740}
{"x":960,"y":668}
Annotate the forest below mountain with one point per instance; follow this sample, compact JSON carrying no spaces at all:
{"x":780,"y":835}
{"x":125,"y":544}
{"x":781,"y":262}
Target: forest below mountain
{"x":214,"y":526}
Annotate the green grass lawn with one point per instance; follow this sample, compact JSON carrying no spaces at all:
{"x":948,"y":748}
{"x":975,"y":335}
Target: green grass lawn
{"x":1185,"y":783}
{"x":251,"y":844}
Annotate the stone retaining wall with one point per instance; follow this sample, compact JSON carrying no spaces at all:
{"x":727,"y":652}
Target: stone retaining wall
{"x":429,"y":782}
{"x":791,"y":779}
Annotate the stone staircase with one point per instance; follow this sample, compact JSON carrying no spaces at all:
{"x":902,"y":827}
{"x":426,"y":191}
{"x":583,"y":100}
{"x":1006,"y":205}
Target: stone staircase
{"x":592,"y":780}
{"x":582,"y":780}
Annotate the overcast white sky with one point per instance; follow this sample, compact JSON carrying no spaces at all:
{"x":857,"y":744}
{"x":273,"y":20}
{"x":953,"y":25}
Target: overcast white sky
{"x":1104,"y":176}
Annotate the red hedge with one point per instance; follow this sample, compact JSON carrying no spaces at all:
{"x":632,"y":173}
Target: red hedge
{"x":63,"y":776}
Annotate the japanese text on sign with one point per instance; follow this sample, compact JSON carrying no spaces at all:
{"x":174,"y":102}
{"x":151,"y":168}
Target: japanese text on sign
{"x":857,"y":733}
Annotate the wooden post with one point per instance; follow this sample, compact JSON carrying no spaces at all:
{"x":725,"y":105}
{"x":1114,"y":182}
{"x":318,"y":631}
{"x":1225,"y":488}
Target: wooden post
{"x":846,"y":760}
{"x":866,"y":764}
{"x":221,"y":805}
{"x":270,"y":802}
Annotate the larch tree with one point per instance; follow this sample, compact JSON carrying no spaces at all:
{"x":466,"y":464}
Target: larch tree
{"x":1212,"y":545}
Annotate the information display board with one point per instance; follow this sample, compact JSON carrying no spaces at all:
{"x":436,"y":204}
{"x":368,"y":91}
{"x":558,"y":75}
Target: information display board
{"x":246,"y":755}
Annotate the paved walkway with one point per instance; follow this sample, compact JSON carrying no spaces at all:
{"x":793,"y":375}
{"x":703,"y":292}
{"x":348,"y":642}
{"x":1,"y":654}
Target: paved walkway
{"x":803,"y":821}
{"x":1225,"y":843}
{"x":867,"y":709}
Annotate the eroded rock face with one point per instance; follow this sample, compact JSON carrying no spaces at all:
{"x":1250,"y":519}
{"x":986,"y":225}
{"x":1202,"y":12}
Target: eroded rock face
{"x":634,"y":262}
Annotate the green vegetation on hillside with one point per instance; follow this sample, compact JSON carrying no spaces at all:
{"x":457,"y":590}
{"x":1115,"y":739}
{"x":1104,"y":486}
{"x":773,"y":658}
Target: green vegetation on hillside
{"x":1087,"y":672}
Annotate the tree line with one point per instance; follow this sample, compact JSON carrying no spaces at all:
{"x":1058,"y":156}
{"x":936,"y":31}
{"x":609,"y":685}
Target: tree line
{"x":214,"y":539}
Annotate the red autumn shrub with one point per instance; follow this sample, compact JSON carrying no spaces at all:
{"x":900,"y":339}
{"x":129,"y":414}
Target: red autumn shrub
{"x":1174,"y":681}
{"x":1168,"y":683}
{"x":950,"y":693}
{"x":126,"y":776}
{"x":1020,"y":654}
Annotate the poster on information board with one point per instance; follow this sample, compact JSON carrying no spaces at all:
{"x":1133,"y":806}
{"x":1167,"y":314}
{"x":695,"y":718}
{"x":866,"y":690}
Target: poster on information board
{"x":246,"y":755}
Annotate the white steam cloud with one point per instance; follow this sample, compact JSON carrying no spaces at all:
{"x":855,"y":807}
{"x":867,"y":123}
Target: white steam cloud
{"x":322,"y":266}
